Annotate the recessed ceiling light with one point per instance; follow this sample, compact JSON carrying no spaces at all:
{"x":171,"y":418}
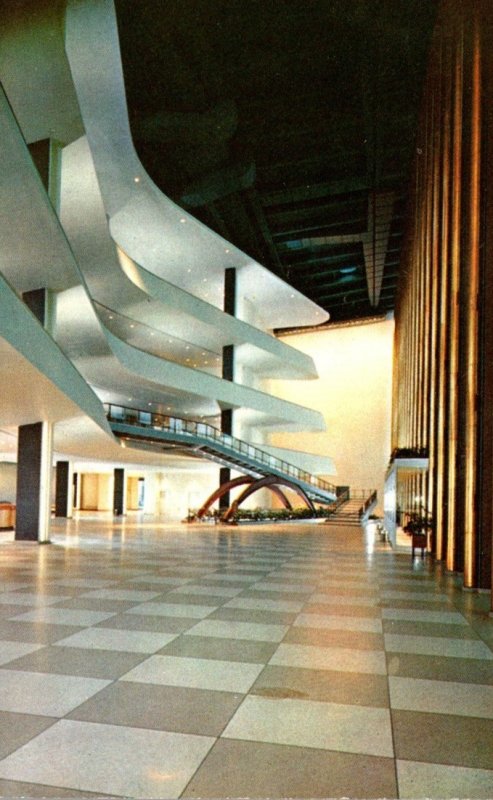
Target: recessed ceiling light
{"x":182,"y":219}
{"x":227,"y":250}
{"x":137,"y":179}
{"x":132,"y":325}
{"x":189,"y":270}
{"x":110,"y":316}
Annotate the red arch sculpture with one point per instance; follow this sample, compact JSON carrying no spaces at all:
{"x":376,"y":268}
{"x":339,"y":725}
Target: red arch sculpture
{"x":253,"y":485}
{"x":269,"y":482}
{"x":248,"y":479}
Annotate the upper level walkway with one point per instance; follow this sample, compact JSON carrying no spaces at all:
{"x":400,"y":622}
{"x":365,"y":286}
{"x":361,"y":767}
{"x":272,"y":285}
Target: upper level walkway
{"x":269,"y":661}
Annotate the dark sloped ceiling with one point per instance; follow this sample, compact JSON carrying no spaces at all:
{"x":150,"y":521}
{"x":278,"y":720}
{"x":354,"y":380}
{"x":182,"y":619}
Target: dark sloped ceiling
{"x":288,"y":127}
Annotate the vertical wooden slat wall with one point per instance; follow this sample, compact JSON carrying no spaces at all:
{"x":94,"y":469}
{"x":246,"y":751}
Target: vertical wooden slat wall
{"x":442,"y":334}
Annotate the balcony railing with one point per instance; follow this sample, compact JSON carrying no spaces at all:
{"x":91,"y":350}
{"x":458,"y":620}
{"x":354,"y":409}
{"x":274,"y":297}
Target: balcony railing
{"x":202,"y":430}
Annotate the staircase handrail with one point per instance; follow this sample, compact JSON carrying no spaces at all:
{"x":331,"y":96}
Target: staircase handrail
{"x":183,"y":426}
{"x":372,"y":498}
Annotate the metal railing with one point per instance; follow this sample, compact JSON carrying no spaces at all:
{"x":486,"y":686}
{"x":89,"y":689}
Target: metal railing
{"x":188,"y":427}
{"x":370,"y":499}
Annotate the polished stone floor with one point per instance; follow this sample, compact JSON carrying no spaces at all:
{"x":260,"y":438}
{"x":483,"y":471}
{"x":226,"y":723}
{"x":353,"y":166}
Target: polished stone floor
{"x":141,"y":660}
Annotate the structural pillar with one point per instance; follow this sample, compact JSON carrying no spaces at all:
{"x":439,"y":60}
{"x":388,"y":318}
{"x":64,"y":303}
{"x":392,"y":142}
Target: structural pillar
{"x":63,"y":490}
{"x":228,"y":370}
{"x":35,"y":451}
{"x":119,"y":492}
{"x":34,"y":457}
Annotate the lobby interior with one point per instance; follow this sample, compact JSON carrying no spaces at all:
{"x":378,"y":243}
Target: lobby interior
{"x":214,"y":246}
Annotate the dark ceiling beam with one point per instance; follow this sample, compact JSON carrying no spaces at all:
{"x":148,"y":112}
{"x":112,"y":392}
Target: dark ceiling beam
{"x":332,"y":296}
{"x":344,"y":186}
{"x":253,"y":199}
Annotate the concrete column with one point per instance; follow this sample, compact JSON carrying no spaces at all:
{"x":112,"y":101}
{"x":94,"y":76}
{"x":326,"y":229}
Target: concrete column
{"x":34,"y":463}
{"x":119,"y":492}
{"x":64,"y":489}
{"x":228,"y":374}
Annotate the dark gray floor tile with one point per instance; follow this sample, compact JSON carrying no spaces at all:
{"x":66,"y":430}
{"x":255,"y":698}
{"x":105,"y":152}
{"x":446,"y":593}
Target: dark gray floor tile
{"x":359,"y":640}
{"x":183,"y":599}
{"x":443,"y":739}
{"x":322,"y":685}
{"x":18,"y":789}
{"x":167,"y":708}
{"x":210,"y":581}
{"x":440,"y":668}
{"x":424,"y":605}
{"x":251,"y":615}
{"x":148,"y":622}
{"x":17,"y":729}
{"x":221,"y":649}
{"x":95,"y":604}
{"x":419,"y":628}
{"x":109,"y":664}
{"x":260,"y":594}
{"x":35,"y":632}
{"x":349,"y":609}
{"x":254,"y":769}
{"x":349,"y":592}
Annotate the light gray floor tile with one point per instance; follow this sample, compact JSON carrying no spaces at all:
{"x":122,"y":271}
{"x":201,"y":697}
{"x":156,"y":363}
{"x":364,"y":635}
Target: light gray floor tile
{"x":44,"y":693}
{"x":122,"y":594}
{"x":118,"y":639}
{"x":197,"y":673}
{"x":12,"y":650}
{"x":228,"y":629}
{"x":437,"y":781}
{"x":286,"y":587}
{"x":173,"y":610}
{"x":30,"y":599}
{"x":160,"y":580}
{"x":305,"y":723}
{"x":64,"y":616}
{"x":440,"y":646}
{"x":12,"y":586}
{"x":423,"y":615}
{"x":109,"y":759}
{"x":441,"y":697}
{"x":82,"y":583}
{"x":335,"y":622}
{"x":333,"y":658}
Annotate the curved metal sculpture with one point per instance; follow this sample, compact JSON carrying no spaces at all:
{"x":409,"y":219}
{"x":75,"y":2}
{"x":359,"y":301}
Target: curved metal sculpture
{"x":252,"y":487}
{"x":268,"y":482}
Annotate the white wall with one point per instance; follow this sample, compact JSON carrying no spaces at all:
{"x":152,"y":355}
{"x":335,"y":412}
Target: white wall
{"x":8,"y":481}
{"x":354,"y":394}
